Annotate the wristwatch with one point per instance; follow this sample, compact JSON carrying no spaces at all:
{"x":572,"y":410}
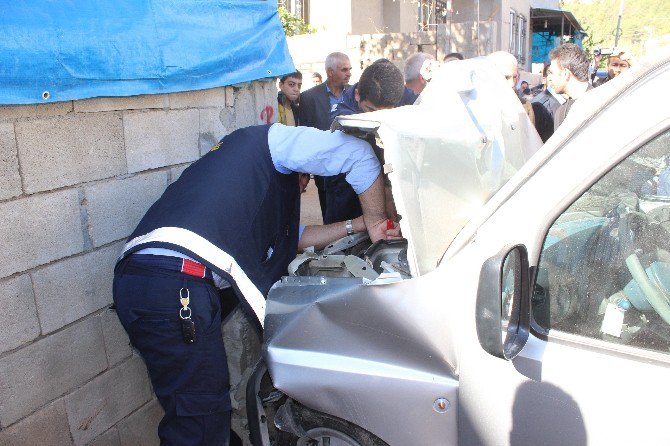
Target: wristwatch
{"x":349,"y":227}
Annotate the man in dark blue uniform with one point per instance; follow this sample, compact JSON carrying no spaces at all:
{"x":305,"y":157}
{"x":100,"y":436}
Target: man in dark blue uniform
{"x":381,"y":86}
{"x":229,"y":223}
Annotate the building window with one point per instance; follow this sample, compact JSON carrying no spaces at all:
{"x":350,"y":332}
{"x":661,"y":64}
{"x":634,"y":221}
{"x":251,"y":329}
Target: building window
{"x":432,"y":13}
{"x":299,"y":8}
{"x":518,"y":39}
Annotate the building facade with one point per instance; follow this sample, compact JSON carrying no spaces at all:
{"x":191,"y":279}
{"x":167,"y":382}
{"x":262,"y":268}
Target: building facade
{"x":473,"y":28}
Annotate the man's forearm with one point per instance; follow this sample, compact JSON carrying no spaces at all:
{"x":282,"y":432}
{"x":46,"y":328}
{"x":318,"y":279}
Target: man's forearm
{"x":321,"y":236}
{"x":373,"y":204}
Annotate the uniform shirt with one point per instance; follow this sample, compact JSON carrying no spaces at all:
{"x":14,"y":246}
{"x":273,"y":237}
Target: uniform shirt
{"x":319,"y":152}
{"x":309,"y":150}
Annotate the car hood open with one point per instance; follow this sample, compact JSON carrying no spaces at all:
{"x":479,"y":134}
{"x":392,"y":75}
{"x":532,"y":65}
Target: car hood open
{"x":449,"y":153}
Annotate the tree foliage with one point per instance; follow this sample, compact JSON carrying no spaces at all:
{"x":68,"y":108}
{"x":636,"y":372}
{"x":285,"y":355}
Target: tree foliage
{"x":642,"y":20}
{"x":293,"y":25}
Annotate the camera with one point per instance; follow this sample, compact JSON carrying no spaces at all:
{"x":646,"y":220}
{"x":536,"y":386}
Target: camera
{"x":603,"y":51}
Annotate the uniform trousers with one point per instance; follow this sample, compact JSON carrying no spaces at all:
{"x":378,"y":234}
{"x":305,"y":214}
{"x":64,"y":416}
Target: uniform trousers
{"x":190,"y":379}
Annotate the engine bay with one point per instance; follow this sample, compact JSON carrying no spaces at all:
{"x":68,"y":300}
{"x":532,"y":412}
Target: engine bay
{"x":355,"y":256}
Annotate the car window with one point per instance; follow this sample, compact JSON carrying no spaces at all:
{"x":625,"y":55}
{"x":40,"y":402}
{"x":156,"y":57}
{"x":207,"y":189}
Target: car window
{"x":604,"y":270}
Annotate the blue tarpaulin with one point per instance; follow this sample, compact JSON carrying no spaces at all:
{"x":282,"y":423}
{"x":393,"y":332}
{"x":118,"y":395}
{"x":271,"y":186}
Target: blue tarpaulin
{"x":62,"y":50}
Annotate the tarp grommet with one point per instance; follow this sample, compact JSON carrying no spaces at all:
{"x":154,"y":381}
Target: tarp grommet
{"x":46,"y":95}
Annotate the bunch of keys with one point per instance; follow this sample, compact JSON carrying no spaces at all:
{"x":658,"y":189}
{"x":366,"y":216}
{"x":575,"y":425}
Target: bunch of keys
{"x":187,"y":324}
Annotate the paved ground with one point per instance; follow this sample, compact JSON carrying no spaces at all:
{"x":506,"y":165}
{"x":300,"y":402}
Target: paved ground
{"x":310,"y":212}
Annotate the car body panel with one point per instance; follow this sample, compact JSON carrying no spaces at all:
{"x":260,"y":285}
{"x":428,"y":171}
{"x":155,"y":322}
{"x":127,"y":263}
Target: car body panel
{"x":365,"y":353}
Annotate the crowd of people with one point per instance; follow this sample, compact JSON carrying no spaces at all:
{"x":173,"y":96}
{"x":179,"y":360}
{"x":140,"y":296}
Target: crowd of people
{"x":567,"y":76}
{"x":228,"y":228}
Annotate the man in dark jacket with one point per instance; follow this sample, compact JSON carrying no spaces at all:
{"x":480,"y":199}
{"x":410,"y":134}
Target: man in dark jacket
{"x":317,"y":102}
{"x":227,"y":227}
{"x":381,"y":87}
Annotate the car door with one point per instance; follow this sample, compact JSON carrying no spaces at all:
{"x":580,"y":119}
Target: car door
{"x":589,"y":219}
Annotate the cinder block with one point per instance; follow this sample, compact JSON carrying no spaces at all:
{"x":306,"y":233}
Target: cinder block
{"x":212,"y":129}
{"x":70,"y":150}
{"x":10,"y":112}
{"x":109,"y":438}
{"x":122,"y":103}
{"x":95,"y":407}
{"x":142,"y":426}
{"x":176,"y":172}
{"x":160,"y":138}
{"x":117,"y":344}
{"x":115,"y":207}
{"x":212,"y":97}
{"x":47,"y":427}
{"x":50,"y":367}
{"x":245,"y":107}
{"x":72,"y":288}
{"x":230,"y":96}
{"x":37,"y":230}
{"x":10,"y":180}
{"x":18,"y":317}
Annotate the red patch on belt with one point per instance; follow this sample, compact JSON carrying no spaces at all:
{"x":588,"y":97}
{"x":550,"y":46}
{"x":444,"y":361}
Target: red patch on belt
{"x":192,"y":268}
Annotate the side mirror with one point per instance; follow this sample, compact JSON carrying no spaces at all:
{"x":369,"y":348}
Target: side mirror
{"x":503,"y":303}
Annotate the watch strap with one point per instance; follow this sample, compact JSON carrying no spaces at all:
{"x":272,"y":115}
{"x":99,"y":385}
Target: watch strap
{"x":349,"y":227}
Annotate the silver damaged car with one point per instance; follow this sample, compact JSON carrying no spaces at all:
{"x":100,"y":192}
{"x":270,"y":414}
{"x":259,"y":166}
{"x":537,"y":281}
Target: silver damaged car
{"x":529,"y":302}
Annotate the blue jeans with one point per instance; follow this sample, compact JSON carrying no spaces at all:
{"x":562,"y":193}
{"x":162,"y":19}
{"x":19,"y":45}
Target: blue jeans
{"x":190,"y":380}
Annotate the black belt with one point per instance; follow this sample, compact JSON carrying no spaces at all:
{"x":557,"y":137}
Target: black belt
{"x":169,"y":263}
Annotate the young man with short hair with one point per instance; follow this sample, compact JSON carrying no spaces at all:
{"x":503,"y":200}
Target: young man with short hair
{"x":380,"y":87}
{"x":288,"y":98}
{"x":568,"y":74}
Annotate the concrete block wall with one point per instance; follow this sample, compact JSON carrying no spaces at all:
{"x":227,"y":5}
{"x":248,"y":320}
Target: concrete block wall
{"x":75,"y":179}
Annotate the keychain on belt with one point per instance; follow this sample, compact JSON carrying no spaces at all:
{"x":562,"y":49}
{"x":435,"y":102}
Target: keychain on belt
{"x":187,"y":324}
